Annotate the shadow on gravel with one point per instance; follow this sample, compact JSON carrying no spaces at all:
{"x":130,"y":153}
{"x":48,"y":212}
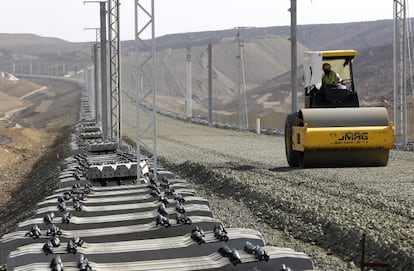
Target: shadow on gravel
{"x":243,"y":168}
{"x":283,"y":169}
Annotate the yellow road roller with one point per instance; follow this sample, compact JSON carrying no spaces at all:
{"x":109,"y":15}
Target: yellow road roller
{"x":332,"y":130}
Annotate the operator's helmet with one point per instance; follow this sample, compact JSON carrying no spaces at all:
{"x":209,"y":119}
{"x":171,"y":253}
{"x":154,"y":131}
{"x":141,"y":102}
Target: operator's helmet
{"x":326,"y":66}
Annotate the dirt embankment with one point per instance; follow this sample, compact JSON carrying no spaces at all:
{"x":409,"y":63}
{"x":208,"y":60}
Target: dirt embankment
{"x":31,"y":174}
{"x":21,"y":149}
{"x":32,"y":142}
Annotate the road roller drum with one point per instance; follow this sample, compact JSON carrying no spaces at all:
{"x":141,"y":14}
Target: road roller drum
{"x":337,"y":117}
{"x":332,"y":137}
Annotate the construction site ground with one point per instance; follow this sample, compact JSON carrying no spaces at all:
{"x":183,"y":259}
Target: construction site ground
{"x":244,"y":176}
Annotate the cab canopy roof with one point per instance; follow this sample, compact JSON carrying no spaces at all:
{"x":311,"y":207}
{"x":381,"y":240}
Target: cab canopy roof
{"x":334,"y":53}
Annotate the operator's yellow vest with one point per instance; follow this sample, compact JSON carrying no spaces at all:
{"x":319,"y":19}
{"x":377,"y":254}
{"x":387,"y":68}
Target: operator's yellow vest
{"x":329,"y":79}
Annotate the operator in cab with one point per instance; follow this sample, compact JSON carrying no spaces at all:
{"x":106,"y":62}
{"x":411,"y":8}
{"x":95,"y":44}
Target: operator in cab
{"x":330,"y":77}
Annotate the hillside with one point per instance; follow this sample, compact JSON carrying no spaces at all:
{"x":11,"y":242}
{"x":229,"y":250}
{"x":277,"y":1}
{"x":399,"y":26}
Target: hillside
{"x":264,"y":58}
{"x":266,"y":94}
{"x":266,"y":63}
{"x":23,"y":53}
{"x":356,"y":35}
{"x":373,"y":75}
{"x":34,"y":44}
{"x":12,"y":91}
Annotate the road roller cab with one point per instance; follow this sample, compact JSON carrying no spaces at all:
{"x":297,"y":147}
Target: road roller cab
{"x":334,"y":94}
{"x":332,"y":130}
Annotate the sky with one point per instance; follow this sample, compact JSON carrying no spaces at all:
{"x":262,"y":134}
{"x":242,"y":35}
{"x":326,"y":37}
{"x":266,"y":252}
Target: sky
{"x":70,"y":19}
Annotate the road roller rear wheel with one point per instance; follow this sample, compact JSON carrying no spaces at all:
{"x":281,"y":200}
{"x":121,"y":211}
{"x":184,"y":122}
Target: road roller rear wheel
{"x":292,"y":156}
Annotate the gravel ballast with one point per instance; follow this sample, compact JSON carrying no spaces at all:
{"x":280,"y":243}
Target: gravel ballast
{"x":323,"y":212}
